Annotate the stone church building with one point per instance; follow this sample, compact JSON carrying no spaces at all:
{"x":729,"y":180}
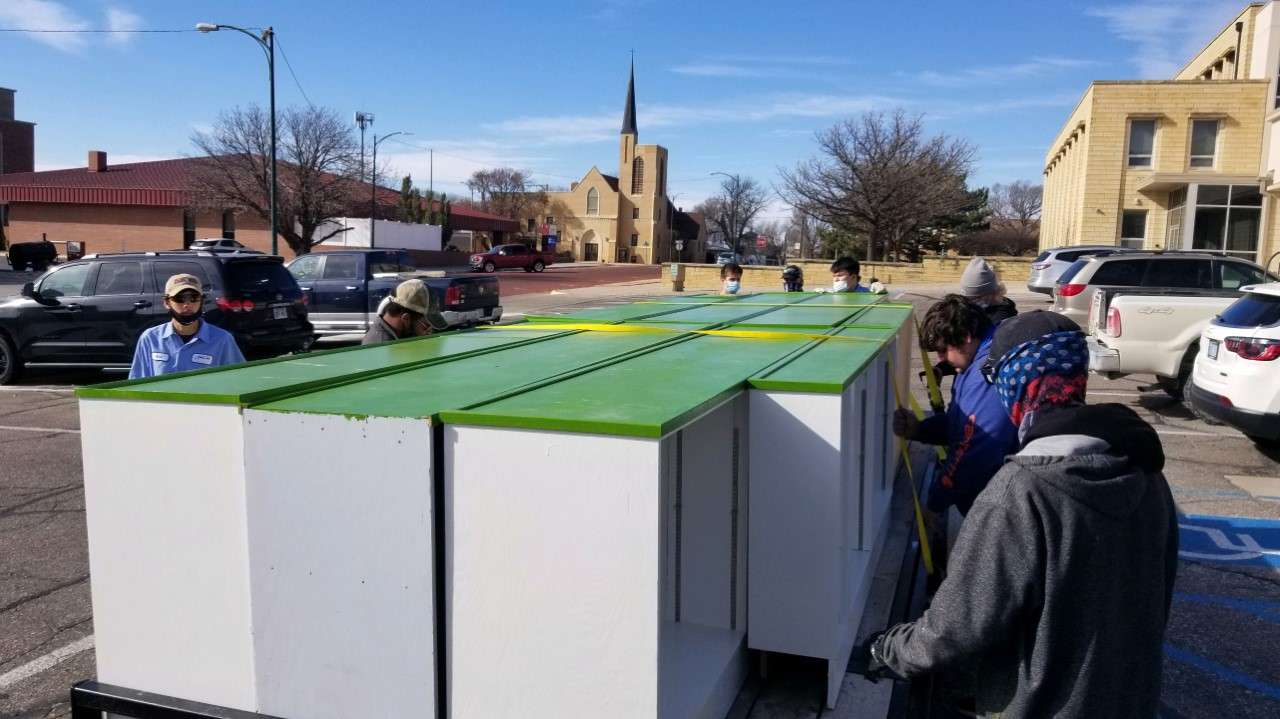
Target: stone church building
{"x":620,"y":218}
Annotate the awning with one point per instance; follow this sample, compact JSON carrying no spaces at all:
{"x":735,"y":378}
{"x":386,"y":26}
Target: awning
{"x":1166,"y":181}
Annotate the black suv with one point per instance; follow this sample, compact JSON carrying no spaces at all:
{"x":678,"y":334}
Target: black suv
{"x":90,"y":313}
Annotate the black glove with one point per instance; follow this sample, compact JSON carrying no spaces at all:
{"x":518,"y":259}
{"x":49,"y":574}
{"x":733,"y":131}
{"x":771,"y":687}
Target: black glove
{"x":870,"y":656}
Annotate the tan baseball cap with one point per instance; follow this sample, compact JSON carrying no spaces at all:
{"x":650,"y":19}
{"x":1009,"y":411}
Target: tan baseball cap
{"x":412,"y":295}
{"x":178,"y":283}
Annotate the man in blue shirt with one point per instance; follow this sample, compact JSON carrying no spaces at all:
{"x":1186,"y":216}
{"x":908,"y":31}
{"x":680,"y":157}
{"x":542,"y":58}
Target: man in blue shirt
{"x":846,"y":276}
{"x":185,"y":342}
{"x":975,"y":428}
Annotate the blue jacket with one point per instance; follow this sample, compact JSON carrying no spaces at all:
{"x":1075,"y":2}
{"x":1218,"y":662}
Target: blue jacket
{"x":977,"y":433}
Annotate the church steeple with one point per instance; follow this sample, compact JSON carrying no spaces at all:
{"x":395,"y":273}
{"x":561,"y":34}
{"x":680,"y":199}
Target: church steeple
{"x":629,"y":114}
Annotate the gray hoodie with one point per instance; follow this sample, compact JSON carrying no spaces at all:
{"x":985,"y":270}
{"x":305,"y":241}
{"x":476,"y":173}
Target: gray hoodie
{"x":1059,"y":585}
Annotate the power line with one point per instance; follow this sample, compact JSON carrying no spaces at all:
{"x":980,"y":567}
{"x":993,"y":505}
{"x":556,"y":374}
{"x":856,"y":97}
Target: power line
{"x":89,"y":31}
{"x":474,"y":161}
{"x":292,"y":74}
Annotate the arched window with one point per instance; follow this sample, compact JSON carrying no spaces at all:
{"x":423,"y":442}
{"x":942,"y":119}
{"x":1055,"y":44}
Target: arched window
{"x":637,"y":176}
{"x":593,"y":202}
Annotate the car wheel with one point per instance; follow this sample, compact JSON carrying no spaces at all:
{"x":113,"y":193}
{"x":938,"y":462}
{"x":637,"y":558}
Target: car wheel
{"x":538,"y":266}
{"x":1176,"y":387}
{"x":10,"y":365}
{"x":18,"y":266}
{"x":490,"y":267}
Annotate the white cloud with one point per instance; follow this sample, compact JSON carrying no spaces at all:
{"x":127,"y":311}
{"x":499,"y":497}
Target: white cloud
{"x":119,"y":20}
{"x":45,"y":15}
{"x":561,"y":129}
{"x":720,"y":70}
{"x":1035,"y":67}
{"x":1165,"y":33}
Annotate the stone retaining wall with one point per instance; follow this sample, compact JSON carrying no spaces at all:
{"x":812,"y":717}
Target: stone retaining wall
{"x":933,"y":270}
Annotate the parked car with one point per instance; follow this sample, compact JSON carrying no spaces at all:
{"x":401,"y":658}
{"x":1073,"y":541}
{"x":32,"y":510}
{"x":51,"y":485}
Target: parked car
{"x":1237,"y":375}
{"x":724,"y":258}
{"x":507,"y":257}
{"x":36,"y":256}
{"x":1202,"y":272}
{"x":1049,"y":265}
{"x":344,"y":289}
{"x":218,"y":244}
{"x":89,"y":313}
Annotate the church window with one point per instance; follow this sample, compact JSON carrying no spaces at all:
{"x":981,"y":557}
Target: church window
{"x":635,"y":213}
{"x":593,"y":202}
{"x":635,"y":240}
{"x":637,"y":176}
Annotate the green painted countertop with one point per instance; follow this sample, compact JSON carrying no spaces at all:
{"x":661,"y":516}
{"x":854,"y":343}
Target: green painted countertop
{"x":844,"y":299}
{"x":260,"y":381}
{"x":803,"y":316}
{"x":427,"y":391}
{"x":829,"y":366}
{"x":645,"y":396}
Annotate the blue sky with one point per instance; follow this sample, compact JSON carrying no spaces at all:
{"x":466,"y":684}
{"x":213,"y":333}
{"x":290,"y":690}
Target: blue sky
{"x":725,"y":86}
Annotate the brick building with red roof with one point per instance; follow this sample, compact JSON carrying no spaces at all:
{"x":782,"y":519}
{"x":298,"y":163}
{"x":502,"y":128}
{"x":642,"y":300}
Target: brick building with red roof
{"x":146,"y":206}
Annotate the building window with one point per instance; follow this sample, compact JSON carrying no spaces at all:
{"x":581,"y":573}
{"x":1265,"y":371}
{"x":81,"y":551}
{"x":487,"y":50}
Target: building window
{"x":1204,"y":142}
{"x":1133,"y":229}
{"x":228,"y":225}
{"x":1227,"y":218}
{"x":551,"y":220}
{"x":635,"y":213}
{"x":4,"y":215}
{"x":1142,"y":141}
{"x":533,"y":224}
{"x":662,"y":177}
{"x":1177,"y":215}
{"x":593,"y":202}
{"x":188,"y":228}
{"x":637,"y":176}
{"x":635,"y":240}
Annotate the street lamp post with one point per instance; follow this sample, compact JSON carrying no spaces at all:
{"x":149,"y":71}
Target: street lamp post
{"x":373,"y":184}
{"x":267,"y":41}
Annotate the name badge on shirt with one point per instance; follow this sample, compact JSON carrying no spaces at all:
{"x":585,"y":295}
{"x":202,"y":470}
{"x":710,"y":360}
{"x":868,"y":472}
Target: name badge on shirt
{"x":159,"y":356}
{"x":202,"y":359}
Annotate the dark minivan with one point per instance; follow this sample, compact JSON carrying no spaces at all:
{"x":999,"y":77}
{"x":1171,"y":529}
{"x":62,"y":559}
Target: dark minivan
{"x":90,"y":313}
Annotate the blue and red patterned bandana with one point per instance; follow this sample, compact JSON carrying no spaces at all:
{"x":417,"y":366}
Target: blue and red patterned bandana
{"x":1049,"y":371}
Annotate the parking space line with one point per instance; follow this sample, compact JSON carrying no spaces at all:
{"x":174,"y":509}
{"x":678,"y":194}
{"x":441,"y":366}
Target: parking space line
{"x":56,"y":390}
{"x":41,"y":430}
{"x":40,"y":664}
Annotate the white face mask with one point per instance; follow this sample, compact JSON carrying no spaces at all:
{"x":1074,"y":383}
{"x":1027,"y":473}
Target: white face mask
{"x":731,"y":286}
{"x":840,"y":286}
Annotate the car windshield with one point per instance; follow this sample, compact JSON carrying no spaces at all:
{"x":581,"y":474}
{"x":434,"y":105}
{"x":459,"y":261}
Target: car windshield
{"x":261,"y":280}
{"x":1071,"y":271}
{"x":1253,"y":310}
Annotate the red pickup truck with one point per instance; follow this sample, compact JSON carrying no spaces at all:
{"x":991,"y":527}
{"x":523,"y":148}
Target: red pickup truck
{"x":505,"y":257}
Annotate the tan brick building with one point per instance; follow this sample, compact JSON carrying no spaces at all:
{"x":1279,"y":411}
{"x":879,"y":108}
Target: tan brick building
{"x":620,"y":218}
{"x":1185,"y":163}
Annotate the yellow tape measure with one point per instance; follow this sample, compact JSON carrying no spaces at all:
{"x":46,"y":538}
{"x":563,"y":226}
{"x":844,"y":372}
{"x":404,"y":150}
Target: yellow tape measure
{"x":925,"y":552}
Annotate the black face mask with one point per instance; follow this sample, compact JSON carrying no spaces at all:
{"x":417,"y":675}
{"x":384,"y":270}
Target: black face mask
{"x":186,"y":319}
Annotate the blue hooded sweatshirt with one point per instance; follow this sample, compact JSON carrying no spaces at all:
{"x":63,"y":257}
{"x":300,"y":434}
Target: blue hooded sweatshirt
{"x":977,"y":433}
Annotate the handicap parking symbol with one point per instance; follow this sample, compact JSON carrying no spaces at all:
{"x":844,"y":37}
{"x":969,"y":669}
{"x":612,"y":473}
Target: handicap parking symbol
{"x":1230,"y":540}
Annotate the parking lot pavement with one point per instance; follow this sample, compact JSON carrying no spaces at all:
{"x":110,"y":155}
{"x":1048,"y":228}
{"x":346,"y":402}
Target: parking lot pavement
{"x":1223,"y":632}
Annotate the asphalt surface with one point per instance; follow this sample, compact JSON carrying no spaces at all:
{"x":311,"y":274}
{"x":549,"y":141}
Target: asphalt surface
{"x":1222,"y":639}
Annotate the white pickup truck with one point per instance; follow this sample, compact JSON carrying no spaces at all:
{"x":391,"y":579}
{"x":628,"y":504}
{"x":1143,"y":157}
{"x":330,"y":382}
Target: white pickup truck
{"x":1144,"y":331}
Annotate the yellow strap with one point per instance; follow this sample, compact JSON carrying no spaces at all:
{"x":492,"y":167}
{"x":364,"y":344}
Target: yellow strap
{"x":925,"y":552}
{"x":935,"y":391}
{"x":643,"y":329}
{"x":915,"y":407}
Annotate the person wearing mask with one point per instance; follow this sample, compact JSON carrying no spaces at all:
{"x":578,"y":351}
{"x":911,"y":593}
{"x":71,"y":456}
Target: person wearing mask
{"x":186,"y":341}
{"x":975,"y":428}
{"x":1058,"y":589}
{"x":730,"y":278}
{"x":402,"y":314}
{"x":792,"y":279}
{"x":846,"y":275}
{"x":983,"y":287}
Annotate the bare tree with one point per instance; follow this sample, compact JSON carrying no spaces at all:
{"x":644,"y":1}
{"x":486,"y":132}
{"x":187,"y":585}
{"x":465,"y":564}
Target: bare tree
{"x":318,"y":161}
{"x":732,"y":211}
{"x":882,"y":177}
{"x":1018,"y":204}
{"x":802,"y":233}
{"x":506,"y":192}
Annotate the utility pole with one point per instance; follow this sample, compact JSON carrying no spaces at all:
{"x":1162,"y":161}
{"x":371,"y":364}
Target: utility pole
{"x":431,"y":177}
{"x":363,"y":120}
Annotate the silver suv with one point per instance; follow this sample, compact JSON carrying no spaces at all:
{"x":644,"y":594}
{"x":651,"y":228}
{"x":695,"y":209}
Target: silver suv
{"x":1050,"y":264}
{"x":1186,"y":270}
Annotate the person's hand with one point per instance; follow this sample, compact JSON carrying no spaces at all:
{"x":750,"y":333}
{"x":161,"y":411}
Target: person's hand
{"x":870,"y":656}
{"x":905,"y":424}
